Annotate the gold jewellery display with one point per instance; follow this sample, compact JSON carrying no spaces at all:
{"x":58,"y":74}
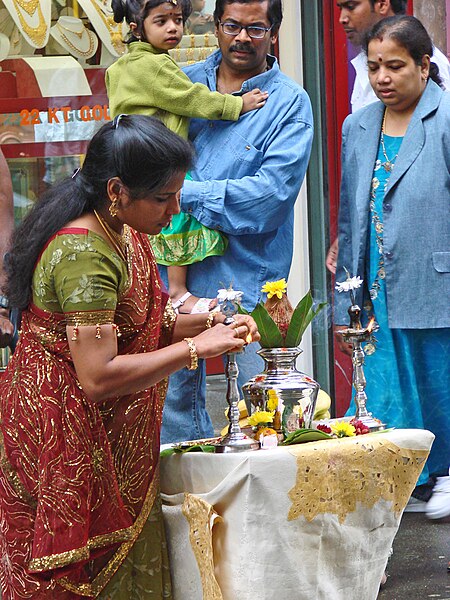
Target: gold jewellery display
{"x":101,"y":17}
{"x":73,"y":35}
{"x":29,"y":15}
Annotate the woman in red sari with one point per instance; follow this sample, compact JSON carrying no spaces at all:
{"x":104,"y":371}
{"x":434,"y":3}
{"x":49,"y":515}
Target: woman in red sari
{"x":81,"y":400}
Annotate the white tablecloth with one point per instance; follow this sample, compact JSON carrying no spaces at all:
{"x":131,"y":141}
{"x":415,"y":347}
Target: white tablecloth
{"x":313,"y":521}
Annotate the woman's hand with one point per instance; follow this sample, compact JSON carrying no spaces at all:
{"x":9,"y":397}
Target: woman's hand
{"x":252,"y":100}
{"x":226,"y":338}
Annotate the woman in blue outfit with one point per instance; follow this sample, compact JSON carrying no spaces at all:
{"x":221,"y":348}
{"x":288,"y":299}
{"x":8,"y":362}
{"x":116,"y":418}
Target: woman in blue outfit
{"x":394,"y":232}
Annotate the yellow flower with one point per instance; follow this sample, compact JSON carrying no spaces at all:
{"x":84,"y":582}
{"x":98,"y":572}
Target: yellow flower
{"x":275,"y":288}
{"x":272,"y":402}
{"x":260,"y":417}
{"x":343,"y":429}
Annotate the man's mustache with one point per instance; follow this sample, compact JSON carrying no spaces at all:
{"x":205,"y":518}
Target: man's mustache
{"x":238,"y":47}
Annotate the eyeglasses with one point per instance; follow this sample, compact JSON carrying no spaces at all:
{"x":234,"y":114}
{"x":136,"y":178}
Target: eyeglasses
{"x":254,"y":32}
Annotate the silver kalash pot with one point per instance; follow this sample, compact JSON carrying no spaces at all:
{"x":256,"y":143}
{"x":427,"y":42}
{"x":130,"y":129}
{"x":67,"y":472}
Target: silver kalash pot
{"x":295,"y":391}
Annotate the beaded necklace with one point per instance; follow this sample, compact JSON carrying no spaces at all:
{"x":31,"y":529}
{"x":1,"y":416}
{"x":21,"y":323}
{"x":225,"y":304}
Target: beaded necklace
{"x":377,"y":223}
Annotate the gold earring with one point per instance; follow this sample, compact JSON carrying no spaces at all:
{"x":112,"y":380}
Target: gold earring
{"x":113,"y":210}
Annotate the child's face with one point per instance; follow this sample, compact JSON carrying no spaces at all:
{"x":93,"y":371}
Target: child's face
{"x":163,"y":26}
{"x":198,"y":5}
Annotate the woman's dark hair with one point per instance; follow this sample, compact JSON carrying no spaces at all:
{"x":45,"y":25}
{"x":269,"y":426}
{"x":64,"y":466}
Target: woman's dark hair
{"x":136,"y":11}
{"x":274,"y":11}
{"x":410,"y":34}
{"x":140,"y":150}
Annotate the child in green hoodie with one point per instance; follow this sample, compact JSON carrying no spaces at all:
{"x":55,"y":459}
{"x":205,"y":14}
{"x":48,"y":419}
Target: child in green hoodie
{"x":148,"y":81}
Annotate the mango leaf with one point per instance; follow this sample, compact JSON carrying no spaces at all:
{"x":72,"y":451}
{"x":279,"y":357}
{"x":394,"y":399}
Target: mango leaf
{"x":301,"y":318}
{"x":242,"y":310}
{"x":268,"y":330}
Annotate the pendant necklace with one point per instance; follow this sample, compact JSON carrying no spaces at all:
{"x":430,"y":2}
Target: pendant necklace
{"x":118,"y":241}
{"x":388,"y":165}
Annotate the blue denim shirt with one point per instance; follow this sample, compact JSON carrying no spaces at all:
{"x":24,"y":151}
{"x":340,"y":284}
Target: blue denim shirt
{"x":245,"y":182}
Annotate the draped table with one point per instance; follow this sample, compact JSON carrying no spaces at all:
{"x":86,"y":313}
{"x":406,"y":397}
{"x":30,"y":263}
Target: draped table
{"x":313,"y":521}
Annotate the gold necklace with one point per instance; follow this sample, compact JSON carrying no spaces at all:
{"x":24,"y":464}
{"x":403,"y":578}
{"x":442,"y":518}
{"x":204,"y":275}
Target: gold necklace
{"x":117,"y":240}
{"x":71,"y":45}
{"x":79,"y":34}
{"x":36,"y":34}
{"x":388,"y":165}
{"x":114,"y":29}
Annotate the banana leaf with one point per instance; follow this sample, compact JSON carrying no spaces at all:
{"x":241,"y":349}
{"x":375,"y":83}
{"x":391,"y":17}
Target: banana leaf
{"x":178,"y":449}
{"x":300,"y":436}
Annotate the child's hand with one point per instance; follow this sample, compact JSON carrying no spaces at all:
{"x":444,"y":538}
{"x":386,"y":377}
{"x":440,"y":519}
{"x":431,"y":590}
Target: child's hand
{"x":254,"y":99}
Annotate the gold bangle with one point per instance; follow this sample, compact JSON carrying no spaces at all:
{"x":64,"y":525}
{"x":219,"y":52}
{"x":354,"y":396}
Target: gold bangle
{"x":192,"y":353}
{"x":210,"y":319}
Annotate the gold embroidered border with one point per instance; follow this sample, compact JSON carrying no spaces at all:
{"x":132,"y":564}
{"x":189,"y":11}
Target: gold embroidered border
{"x":333,"y":475}
{"x":13,"y":478}
{"x":97,"y":317}
{"x":198,"y":514}
{"x":55,"y":561}
{"x":95,"y":587}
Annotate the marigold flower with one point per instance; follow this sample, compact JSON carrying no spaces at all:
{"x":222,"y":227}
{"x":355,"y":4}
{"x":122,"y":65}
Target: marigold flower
{"x":260,"y":417}
{"x":275,"y":288}
{"x":343,"y":429}
{"x":272,"y":402}
{"x":263,"y":431}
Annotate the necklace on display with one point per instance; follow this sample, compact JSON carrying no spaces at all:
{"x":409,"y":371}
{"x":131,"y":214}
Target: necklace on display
{"x":114,"y":29}
{"x":79,"y":34}
{"x":388,"y":165}
{"x":37,"y":34}
{"x":78,"y":51}
{"x":119,"y":241}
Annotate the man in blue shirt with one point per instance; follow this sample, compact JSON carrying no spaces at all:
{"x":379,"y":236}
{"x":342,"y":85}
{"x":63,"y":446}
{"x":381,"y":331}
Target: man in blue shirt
{"x":245,"y":182}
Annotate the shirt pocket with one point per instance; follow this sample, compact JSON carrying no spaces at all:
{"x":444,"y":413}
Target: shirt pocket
{"x":246,"y":157}
{"x":441,"y":261}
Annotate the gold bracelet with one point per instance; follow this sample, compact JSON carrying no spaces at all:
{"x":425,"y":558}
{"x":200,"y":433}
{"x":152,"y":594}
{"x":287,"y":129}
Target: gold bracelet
{"x":192,"y":353}
{"x":210,"y":319}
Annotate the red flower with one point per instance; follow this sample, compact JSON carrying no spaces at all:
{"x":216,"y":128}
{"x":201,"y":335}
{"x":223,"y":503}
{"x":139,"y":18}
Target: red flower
{"x":324,"y":428}
{"x":359,"y":426}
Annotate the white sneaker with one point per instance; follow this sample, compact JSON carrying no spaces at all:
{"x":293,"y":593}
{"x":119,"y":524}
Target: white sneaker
{"x":416,"y":506}
{"x":438,"y":506}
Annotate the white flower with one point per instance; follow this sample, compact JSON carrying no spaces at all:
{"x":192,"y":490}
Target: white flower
{"x":351,"y":283}
{"x":230,"y":295}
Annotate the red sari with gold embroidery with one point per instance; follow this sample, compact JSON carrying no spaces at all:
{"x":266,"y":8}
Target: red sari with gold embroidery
{"x":78,"y":479}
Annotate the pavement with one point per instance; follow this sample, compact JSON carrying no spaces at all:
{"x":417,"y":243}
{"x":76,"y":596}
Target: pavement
{"x":417,"y":569}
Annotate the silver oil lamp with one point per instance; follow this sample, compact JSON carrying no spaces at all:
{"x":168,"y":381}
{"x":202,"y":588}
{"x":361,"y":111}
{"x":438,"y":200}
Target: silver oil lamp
{"x":234,"y":440}
{"x":355,"y":334}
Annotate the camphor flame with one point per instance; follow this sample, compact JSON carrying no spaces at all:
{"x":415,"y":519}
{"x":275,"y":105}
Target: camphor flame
{"x":371,"y":324}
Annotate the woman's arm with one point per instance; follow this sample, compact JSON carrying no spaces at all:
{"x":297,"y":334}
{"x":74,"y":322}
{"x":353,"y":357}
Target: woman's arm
{"x":103,"y":373}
